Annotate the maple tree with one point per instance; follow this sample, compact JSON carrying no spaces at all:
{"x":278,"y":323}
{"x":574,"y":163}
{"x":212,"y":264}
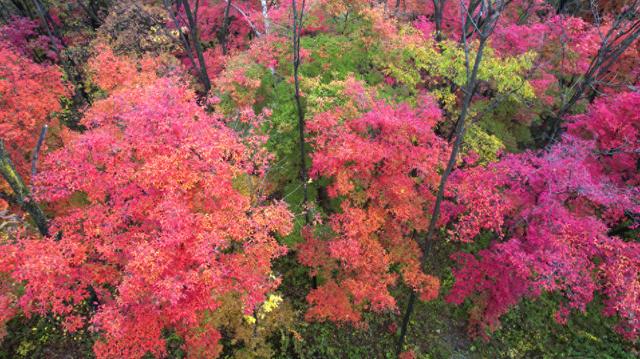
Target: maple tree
{"x":384,"y":168}
{"x":552,"y":214}
{"x":152,"y":226}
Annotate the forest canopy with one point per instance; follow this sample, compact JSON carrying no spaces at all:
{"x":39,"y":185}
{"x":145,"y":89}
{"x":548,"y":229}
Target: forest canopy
{"x":319,"y":178}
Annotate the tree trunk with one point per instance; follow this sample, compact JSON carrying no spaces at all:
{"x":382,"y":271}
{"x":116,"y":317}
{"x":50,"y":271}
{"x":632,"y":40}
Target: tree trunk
{"x":197,"y":45}
{"x":22,"y":195}
{"x":485,"y":31}
{"x":297,"y":25}
{"x":224,"y":32}
{"x":438,"y":8}
{"x":265,"y":16}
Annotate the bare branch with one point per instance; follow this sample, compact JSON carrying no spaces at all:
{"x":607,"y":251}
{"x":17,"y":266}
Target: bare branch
{"x":246,"y":18}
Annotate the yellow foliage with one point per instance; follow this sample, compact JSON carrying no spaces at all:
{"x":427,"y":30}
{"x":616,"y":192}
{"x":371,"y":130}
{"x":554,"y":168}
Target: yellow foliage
{"x":250,"y":333}
{"x":413,"y":60}
{"x":485,"y":145}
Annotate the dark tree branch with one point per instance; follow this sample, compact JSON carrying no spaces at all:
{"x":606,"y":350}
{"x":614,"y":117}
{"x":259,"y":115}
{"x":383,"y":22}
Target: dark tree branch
{"x":80,"y":95}
{"x":624,"y":31}
{"x":246,"y":19}
{"x":183,"y":38}
{"x":90,"y":10}
{"x":438,"y":9}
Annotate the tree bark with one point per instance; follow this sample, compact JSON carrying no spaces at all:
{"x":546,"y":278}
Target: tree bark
{"x":183,"y":38}
{"x":79,"y":96}
{"x":22,"y":195}
{"x":438,"y":9}
{"x":93,"y":16}
{"x":36,"y":151}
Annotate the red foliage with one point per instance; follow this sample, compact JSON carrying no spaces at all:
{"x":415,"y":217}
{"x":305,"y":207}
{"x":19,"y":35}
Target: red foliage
{"x":154,"y":214}
{"x":565,"y":45}
{"x":153,"y":220}
{"x":614,"y":125}
{"x":211,"y":16}
{"x":407,"y":355}
{"x":30,"y":93}
{"x":111,"y":72}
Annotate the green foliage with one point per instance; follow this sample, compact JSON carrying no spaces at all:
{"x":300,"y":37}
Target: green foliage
{"x":438,"y":329}
{"x":331,"y":59}
{"x":282,"y":125}
{"x":174,"y":344}
{"x":322,"y":96}
{"x":44,"y":337}
{"x":396,"y":66}
{"x":485,"y":145}
{"x":529,"y":330}
{"x":334,"y":57}
{"x":501,"y":120}
{"x":441,"y":68}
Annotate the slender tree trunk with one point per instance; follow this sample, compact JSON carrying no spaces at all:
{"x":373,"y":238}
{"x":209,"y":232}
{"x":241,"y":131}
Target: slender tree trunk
{"x":51,"y":25}
{"x":93,"y":16}
{"x":5,"y":13}
{"x":183,"y":38}
{"x":622,"y":34}
{"x":21,"y":192}
{"x":224,"y":32}
{"x":23,"y":8}
{"x":297,"y":25}
{"x":36,"y":151}
{"x":435,"y":215}
{"x":265,"y":16}
{"x":561,"y":6}
{"x":197,"y":45}
{"x":80,"y":96}
{"x":51,"y":30}
{"x":438,"y":9}
{"x":485,"y":31}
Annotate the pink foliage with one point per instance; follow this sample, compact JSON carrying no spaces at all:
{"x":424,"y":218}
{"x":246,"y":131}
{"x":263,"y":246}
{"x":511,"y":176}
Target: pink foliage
{"x":23,"y":36}
{"x":552,"y":213}
{"x":614,"y":125}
